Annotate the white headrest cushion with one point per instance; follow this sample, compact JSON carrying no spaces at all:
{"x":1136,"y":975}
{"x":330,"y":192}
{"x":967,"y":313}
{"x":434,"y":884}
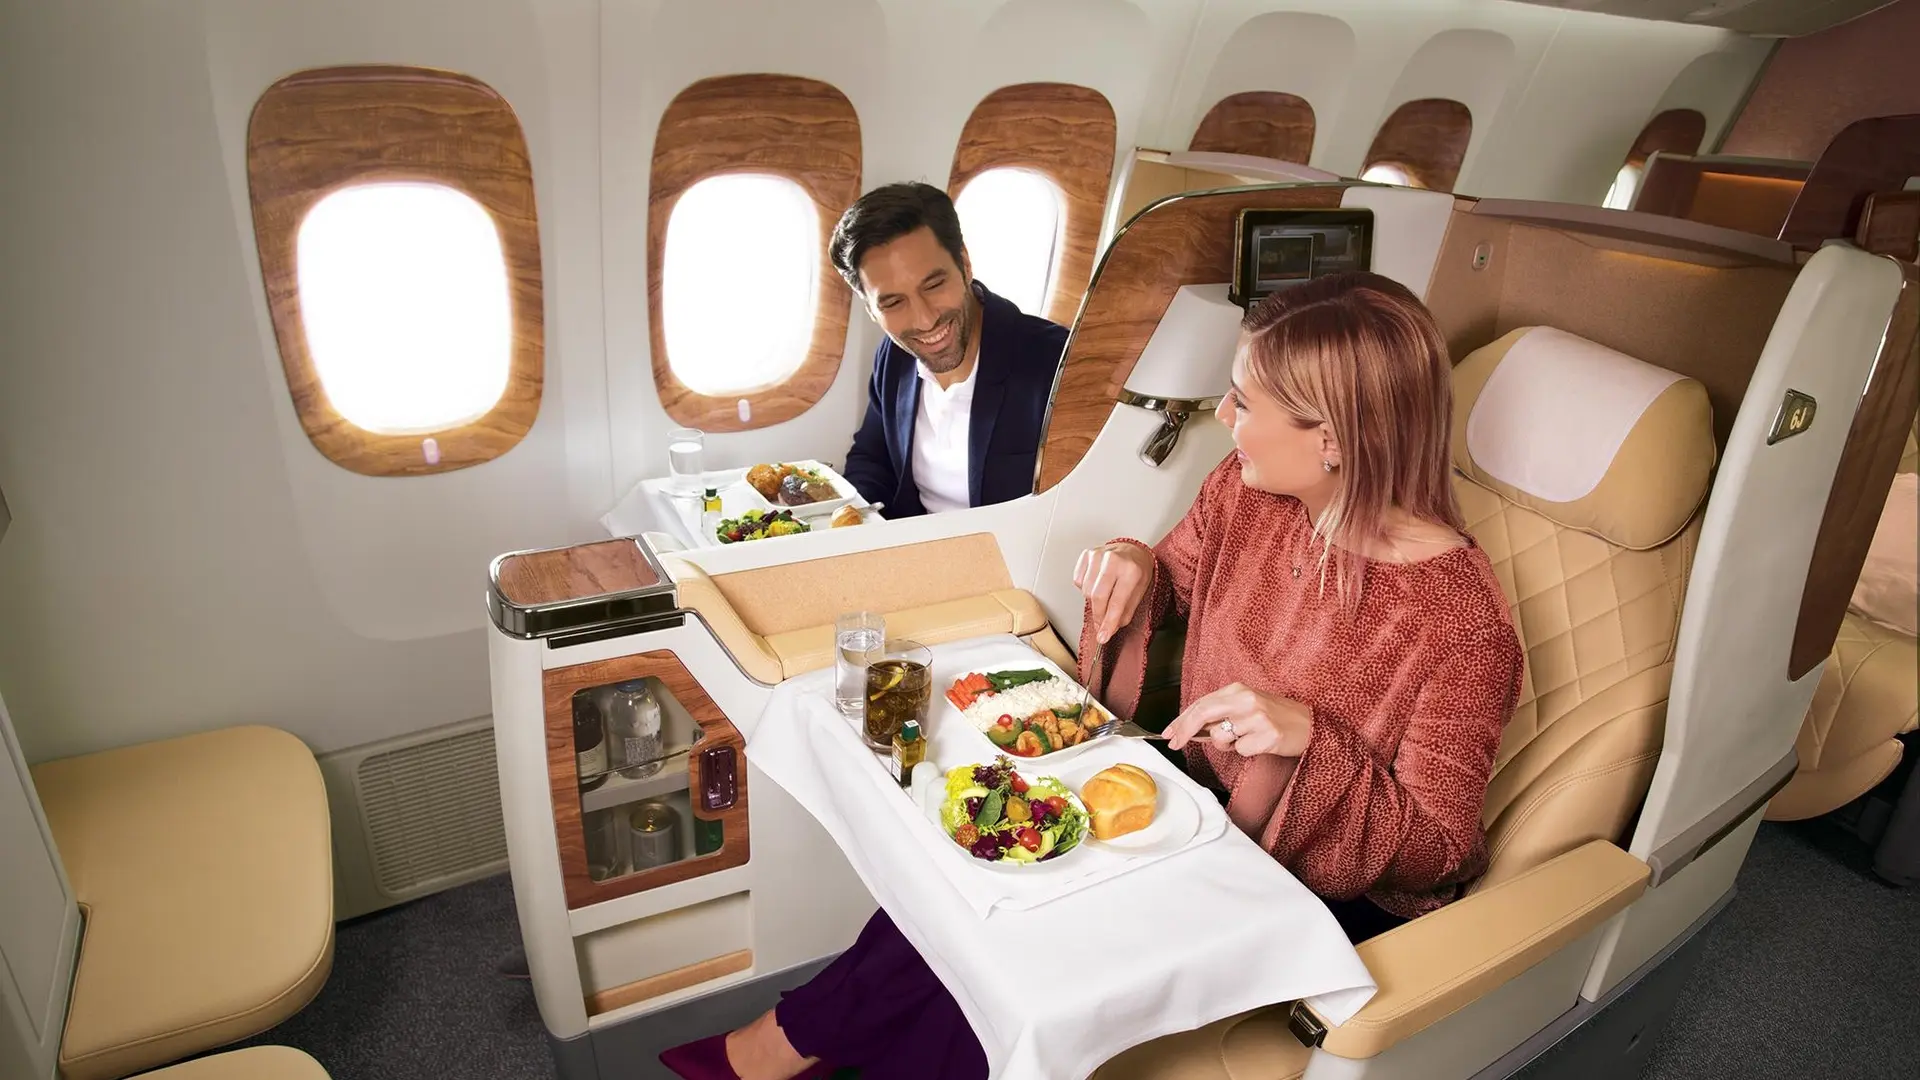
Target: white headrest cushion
{"x":1584,"y":435}
{"x":1552,"y":416}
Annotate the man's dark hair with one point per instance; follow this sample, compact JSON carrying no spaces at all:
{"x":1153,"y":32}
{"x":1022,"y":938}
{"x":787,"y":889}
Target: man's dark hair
{"x":886,"y":214}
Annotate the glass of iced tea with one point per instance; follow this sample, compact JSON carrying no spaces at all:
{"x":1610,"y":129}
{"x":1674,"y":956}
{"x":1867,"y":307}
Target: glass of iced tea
{"x":899,"y":689}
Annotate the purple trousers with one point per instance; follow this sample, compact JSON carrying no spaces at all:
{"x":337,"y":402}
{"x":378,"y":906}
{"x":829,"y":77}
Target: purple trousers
{"x":879,"y":1008}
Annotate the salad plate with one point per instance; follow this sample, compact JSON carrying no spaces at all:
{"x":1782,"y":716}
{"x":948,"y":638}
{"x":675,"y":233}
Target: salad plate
{"x":999,"y":818}
{"x":1030,"y":711}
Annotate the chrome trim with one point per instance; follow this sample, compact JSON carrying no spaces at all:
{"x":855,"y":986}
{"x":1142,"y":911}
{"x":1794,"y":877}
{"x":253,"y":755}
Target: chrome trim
{"x":1174,"y":413}
{"x":1159,"y":404}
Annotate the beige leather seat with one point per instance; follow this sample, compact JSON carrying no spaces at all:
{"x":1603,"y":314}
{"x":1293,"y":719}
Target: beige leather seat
{"x":1593,"y":542}
{"x":253,"y":1063}
{"x":203,"y":868}
{"x":1869,"y":695}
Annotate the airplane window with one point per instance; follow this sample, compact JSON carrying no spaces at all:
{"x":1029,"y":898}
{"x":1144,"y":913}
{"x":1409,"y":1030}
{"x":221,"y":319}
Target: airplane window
{"x":1386,"y":172}
{"x":403,"y":290}
{"x":1011,"y":219}
{"x":728,"y":234}
{"x":1625,"y":184}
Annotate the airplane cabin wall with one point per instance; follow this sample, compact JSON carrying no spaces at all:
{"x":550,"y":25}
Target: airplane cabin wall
{"x":1818,"y":84}
{"x":181,"y":557}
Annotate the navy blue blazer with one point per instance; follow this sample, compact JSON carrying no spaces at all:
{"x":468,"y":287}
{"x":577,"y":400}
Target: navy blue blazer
{"x":1019,"y":355}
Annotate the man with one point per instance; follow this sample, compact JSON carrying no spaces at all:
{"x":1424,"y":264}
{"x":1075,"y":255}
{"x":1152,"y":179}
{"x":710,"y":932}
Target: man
{"x":960,"y":386}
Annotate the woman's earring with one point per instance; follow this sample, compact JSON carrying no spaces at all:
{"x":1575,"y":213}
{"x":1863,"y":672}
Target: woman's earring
{"x":1326,"y":465}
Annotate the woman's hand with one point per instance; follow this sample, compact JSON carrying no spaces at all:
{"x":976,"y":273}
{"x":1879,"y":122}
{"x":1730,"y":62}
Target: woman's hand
{"x":1114,"y":579}
{"x":1247,"y":721}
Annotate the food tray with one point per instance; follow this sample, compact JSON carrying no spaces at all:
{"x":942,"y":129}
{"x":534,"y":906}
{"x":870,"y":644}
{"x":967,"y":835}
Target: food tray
{"x":952,"y":714}
{"x":808,"y":511}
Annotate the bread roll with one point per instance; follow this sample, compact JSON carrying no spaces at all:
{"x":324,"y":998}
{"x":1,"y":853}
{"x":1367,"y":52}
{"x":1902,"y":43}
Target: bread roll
{"x":847,"y":515}
{"x":1119,"y":800}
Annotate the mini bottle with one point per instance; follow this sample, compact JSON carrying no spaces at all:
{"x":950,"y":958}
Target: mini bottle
{"x":909,"y":749}
{"x":589,"y":743}
{"x":633,"y":730}
{"x":710,"y":513}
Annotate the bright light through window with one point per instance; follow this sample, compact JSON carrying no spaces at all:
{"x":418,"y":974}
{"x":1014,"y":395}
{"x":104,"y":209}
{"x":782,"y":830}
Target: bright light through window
{"x":1011,"y":221}
{"x":1386,"y":172}
{"x":738,"y":285}
{"x":1625,"y":184}
{"x":403,"y":290}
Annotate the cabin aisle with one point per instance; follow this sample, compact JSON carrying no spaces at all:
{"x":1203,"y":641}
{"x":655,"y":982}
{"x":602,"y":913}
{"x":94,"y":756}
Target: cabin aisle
{"x":1809,"y":973}
{"x":417,"y":993}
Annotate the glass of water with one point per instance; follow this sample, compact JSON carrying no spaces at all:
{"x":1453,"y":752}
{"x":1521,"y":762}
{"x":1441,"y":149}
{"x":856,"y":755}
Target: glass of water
{"x":859,"y":638}
{"x":686,"y":465}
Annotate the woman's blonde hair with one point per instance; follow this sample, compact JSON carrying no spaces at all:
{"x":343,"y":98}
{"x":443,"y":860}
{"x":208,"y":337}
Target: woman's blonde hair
{"x":1360,"y":353}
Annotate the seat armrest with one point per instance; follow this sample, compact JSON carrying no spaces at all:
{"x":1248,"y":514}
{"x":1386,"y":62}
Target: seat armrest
{"x":1441,"y":962}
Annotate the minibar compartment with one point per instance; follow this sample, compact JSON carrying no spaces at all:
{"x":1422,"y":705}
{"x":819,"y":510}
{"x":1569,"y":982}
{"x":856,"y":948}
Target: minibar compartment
{"x":648,"y":777}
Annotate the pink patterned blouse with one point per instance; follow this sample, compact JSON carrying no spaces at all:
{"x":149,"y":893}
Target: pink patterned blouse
{"x":1409,"y":698}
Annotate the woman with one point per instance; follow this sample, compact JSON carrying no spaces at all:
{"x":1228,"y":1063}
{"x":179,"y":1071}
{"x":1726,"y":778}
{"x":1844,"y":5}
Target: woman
{"x":1349,"y":664}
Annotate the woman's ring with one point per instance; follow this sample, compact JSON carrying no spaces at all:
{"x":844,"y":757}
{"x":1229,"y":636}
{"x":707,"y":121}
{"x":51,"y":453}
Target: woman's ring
{"x":1226,"y":726}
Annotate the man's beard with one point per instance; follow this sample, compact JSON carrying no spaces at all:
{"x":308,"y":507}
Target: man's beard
{"x":962,"y":340}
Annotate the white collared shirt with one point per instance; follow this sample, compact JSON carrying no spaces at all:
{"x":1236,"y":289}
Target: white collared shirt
{"x":940,"y":426}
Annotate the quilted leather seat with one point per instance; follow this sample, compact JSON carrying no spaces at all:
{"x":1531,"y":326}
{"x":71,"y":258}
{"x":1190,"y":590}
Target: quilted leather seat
{"x":1868,"y":696}
{"x":1593,"y":544}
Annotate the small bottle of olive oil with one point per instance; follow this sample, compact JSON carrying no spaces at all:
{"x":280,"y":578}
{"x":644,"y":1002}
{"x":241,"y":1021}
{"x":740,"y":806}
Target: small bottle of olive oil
{"x":710,"y":513}
{"x":909,"y":749}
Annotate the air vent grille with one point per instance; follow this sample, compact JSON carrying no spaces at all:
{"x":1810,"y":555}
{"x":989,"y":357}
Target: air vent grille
{"x":432,"y":811}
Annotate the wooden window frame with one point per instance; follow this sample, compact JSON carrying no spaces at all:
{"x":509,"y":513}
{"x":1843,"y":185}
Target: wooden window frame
{"x":1067,"y":134}
{"x":1672,"y":131}
{"x":1260,"y":123}
{"x":800,"y":129}
{"x":316,"y":132}
{"x":1428,"y":138}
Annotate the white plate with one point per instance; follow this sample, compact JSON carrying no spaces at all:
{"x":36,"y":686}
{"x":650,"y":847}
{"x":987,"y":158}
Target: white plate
{"x":813,"y":509}
{"x":935,"y":796}
{"x":1176,"y":817}
{"x":960,"y":719}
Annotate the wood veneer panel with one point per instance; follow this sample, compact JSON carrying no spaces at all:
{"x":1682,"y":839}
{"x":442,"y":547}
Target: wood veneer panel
{"x":575,"y":573}
{"x":1860,"y":483}
{"x":1755,"y":204}
{"x":1185,"y":240}
{"x":1428,"y":138}
{"x":558,"y":686}
{"x":315,"y":132}
{"x":1263,"y":123}
{"x":668,"y":982}
{"x":1867,"y":157}
{"x":1066,"y":133}
{"x":802,"y":129}
{"x":1890,"y":225}
{"x":1675,"y":131}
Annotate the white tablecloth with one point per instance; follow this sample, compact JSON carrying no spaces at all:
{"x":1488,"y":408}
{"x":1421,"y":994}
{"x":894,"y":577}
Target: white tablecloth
{"x":1209,"y":931}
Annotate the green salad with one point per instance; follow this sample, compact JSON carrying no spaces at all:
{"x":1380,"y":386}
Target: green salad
{"x":1000,"y":816}
{"x":757,"y":525}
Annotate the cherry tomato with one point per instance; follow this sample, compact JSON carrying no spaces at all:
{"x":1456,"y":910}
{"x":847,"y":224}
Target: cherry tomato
{"x":1005,"y":720}
{"x":1019,"y":786}
{"x":1028,"y":837}
{"x":1059,"y":804}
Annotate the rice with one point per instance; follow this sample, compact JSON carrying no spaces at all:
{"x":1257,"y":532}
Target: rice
{"x":1023,"y":701}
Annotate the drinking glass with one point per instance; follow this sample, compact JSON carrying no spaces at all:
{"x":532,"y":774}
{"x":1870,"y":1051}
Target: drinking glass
{"x":899,"y":689}
{"x":858,"y":638}
{"x":686,"y":466}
